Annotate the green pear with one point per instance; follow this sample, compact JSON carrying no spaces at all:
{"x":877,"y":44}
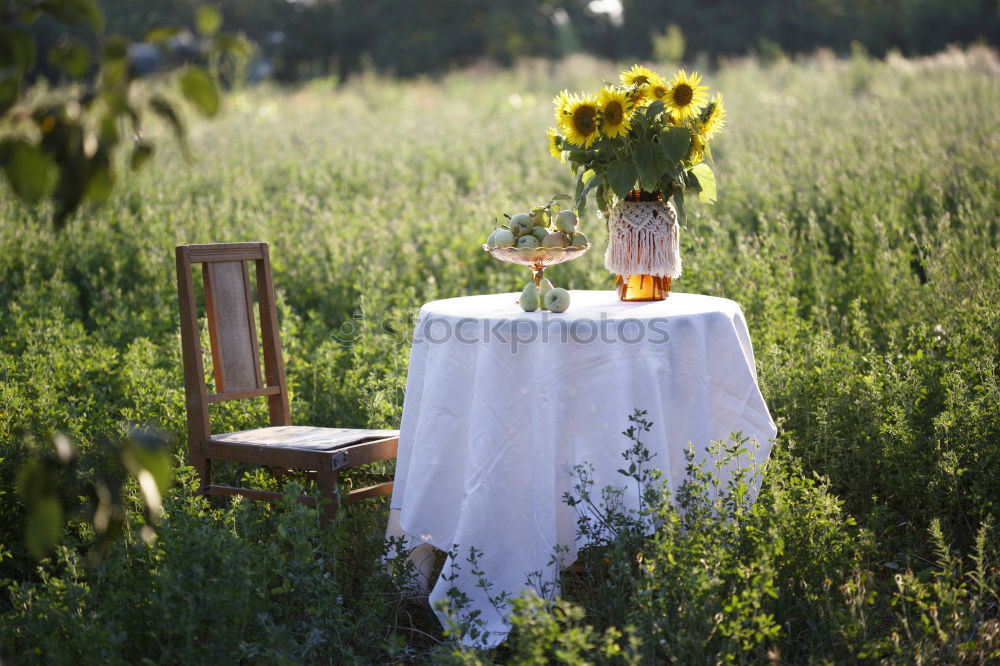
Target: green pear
{"x":579,"y":239}
{"x":527,"y":241}
{"x":520,"y":224}
{"x":503,"y":238}
{"x":544,"y":287}
{"x":529,"y":298}
{"x":556,"y":300}
{"x":566,"y":221}
{"x":556,"y":239}
{"x":540,"y":233}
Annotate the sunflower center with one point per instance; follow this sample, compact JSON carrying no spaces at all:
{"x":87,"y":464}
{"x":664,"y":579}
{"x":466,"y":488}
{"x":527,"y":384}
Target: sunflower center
{"x":683,"y":94}
{"x":583,"y":120}
{"x":614,"y":113}
{"x":641,"y":80}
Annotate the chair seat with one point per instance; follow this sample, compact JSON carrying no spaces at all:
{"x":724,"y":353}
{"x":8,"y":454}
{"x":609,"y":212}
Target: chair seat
{"x":303,"y":438}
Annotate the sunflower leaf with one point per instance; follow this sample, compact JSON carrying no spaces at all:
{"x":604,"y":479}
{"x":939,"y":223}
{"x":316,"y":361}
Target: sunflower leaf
{"x":654,"y":109}
{"x":650,"y":163}
{"x":585,"y":176}
{"x":581,"y":198}
{"x":622,"y":175}
{"x":679,"y":204}
{"x":706,"y":182}
{"x":674,"y":142}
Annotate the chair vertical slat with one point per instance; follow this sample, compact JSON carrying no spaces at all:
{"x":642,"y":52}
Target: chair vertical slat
{"x":231,"y":326}
{"x":208,"y":279}
{"x":274,"y":366}
{"x":195,"y":391}
{"x":252,"y":324}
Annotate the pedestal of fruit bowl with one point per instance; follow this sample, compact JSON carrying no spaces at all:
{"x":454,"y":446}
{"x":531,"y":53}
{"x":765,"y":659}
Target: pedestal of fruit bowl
{"x":537,"y":258}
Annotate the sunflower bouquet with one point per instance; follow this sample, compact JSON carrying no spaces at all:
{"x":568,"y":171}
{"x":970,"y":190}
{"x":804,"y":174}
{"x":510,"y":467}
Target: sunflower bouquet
{"x":645,"y":133}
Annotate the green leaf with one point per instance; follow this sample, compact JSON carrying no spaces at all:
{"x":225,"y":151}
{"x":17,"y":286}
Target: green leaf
{"x":706,"y":181}
{"x":622,"y":175}
{"x":75,"y":11}
{"x":208,"y":19}
{"x":43,"y":525}
{"x":100,"y":183}
{"x":140,"y":155}
{"x":654,"y":109}
{"x":154,"y":458}
{"x":160,"y":34}
{"x":581,"y":181}
{"x":8,"y":93}
{"x":679,"y":204}
{"x":28,"y":169}
{"x":674,"y":142}
{"x":200,"y":90}
{"x":71,"y":56}
{"x":581,"y":198}
{"x":17,"y":50}
{"x":650,"y":163}
{"x":236,"y":45}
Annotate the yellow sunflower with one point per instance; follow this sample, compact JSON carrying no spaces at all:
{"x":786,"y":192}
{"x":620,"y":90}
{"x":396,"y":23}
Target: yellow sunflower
{"x":638,"y":75}
{"x":713,"y":117}
{"x":555,"y":144}
{"x":560,"y":102}
{"x":658,"y":89}
{"x":696,"y":153}
{"x":686,"y":97}
{"x":637,"y":96}
{"x":579,"y":122}
{"x":614,"y":107}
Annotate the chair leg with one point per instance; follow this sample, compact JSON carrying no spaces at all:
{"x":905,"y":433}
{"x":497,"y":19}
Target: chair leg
{"x":326,"y":481}
{"x":204,"y":474}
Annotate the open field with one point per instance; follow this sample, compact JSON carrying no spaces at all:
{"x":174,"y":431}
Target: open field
{"x":857,"y":225}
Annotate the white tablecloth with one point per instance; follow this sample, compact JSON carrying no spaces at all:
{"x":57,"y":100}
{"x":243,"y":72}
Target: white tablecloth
{"x":502,"y":404}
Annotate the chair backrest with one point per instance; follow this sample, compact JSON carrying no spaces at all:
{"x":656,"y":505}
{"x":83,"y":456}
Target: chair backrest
{"x":232,"y":331}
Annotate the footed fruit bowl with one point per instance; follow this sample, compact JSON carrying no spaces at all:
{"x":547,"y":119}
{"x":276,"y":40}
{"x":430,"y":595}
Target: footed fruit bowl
{"x":537,"y":258}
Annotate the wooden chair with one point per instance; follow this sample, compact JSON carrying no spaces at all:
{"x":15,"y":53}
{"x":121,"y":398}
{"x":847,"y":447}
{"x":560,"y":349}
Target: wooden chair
{"x":236,"y":361}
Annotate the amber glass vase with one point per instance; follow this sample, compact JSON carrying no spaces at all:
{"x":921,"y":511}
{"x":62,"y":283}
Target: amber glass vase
{"x":643,"y":287}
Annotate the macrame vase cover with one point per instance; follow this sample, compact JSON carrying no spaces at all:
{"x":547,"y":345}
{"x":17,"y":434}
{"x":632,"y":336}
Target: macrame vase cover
{"x":643,"y":239}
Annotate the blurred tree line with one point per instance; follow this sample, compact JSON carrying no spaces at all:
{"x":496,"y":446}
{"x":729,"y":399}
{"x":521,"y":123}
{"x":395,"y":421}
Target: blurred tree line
{"x":302,"y":38}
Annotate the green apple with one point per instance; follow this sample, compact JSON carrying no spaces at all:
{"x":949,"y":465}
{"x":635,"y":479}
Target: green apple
{"x":579,"y":239}
{"x":520,"y":224}
{"x":556,"y":300}
{"x":555,"y":239}
{"x":527,"y":241}
{"x":503,"y":238}
{"x":566,"y":221}
{"x":529,"y":298}
{"x":540,"y":233}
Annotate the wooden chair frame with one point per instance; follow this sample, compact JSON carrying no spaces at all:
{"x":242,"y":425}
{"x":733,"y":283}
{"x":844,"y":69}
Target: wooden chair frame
{"x":235,"y":359}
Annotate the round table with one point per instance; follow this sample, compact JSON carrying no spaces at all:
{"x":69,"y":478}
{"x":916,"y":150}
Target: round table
{"x":502,"y":404}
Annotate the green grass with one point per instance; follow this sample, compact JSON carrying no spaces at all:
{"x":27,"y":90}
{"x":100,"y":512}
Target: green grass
{"x":857,"y":225}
